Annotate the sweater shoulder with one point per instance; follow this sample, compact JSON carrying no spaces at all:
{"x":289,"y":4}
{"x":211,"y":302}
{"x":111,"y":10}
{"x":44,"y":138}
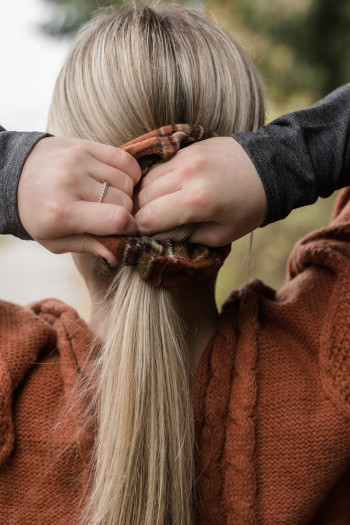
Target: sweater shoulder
{"x":43,"y":348}
{"x":324,"y":256}
{"x":43,"y":454}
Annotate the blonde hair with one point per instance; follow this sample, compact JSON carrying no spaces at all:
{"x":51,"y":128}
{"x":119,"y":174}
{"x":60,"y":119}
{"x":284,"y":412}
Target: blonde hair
{"x":129,"y":72}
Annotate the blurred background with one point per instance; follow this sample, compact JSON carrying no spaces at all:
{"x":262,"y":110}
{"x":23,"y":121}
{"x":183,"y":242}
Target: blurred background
{"x":300,"y":47}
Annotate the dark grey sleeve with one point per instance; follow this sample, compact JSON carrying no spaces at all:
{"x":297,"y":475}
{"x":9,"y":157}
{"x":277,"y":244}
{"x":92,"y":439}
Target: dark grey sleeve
{"x":303,"y":155}
{"x":14,"y":150}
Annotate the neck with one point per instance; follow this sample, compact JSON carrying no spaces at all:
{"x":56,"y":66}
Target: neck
{"x":200,"y":315}
{"x":198,"y":308}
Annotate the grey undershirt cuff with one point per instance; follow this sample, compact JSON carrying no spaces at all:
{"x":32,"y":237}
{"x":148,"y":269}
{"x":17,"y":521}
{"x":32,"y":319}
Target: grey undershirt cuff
{"x":14,"y":150}
{"x":303,"y":155}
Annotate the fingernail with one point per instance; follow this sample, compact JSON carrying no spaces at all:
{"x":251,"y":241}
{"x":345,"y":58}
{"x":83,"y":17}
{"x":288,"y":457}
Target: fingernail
{"x":107,"y":264}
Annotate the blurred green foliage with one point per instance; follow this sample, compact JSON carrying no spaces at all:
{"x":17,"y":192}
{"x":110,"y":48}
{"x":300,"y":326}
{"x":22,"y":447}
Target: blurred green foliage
{"x":265,"y":256}
{"x":301,"y":48}
{"x":67,"y":16}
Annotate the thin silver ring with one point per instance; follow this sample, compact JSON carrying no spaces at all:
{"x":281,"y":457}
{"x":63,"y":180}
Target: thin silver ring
{"x":104,"y":190}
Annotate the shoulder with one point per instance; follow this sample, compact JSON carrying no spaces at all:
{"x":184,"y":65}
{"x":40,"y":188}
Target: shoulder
{"x":42,"y":352}
{"x":45,"y":330}
{"x":23,"y":334}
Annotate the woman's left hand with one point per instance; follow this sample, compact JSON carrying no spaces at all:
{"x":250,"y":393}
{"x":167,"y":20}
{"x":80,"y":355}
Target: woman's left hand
{"x":213,"y":183}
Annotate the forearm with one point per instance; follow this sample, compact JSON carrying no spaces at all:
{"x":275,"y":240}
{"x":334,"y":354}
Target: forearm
{"x":303,"y":155}
{"x":14,"y":150}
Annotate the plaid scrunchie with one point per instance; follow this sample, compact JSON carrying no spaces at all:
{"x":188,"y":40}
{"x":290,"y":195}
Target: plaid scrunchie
{"x":165,"y":263}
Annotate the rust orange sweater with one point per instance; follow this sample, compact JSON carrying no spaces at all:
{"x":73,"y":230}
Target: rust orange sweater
{"x":271,"y":400}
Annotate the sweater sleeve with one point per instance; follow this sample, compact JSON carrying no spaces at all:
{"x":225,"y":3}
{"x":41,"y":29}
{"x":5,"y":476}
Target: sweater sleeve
{"x":303,"y":155}
{"x":14,"y":150}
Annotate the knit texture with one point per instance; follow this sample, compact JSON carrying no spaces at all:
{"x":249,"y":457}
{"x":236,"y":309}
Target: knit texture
{"x":165,"y":263}
{"x":42,"y":465}
{"x":272,"y":404}
{"x":271,"y":400}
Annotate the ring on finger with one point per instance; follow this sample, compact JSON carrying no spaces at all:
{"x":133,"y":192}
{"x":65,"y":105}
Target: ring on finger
{"x":104,"y":190}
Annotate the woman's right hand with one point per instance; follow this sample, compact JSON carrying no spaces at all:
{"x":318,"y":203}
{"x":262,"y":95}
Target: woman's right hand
{"x":59,"y":190}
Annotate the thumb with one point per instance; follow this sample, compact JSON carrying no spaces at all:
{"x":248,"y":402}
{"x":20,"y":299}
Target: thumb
{"x":79,"y":244}
{"x":209,"y":234}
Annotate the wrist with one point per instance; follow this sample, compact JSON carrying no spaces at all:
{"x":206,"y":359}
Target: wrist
{"x":248,"y":180}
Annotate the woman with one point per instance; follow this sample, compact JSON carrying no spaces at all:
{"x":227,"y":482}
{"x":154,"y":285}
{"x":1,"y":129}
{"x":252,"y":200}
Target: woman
{"x":141,"y":467}
{"x":160,"y":67}
{"x":131,"y":72}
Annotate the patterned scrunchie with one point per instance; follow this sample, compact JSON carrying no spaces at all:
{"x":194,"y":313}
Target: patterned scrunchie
{"x":165,"y":263}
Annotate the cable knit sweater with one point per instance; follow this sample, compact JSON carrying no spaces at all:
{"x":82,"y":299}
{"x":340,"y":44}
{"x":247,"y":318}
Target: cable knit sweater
{"x":271,"y":400}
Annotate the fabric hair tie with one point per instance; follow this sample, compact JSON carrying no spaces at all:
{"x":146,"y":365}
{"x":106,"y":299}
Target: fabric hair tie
{"x":165,"y":263}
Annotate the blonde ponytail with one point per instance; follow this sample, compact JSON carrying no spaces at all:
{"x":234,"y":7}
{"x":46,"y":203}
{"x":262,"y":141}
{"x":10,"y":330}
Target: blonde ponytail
{"x":132,"y":71}
{"x":145,"y":413}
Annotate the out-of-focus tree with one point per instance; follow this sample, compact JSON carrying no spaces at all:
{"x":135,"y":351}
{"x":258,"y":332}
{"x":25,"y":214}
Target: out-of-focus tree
{"x":69,"y":15}
{"x":301,"y":46}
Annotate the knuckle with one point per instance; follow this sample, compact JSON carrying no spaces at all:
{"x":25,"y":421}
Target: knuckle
{"x":120,"y":219}
{"x":128,"y":186}
{"x":128,"y":203}
{"x":129,"y":164}
{"x":56,"y":250}
{"x":191,"y":170}
{"x":86,"y":245}
{"x":56,"y":219}
{"x":124,"y":157}
{"x":185,"y":173}
{"x":198,"y":198}
{"x":56,"y":212}
{"x":142,"y":198}
{"x":75,"y":156}
{"x":145,"y":219}
{"x":199,"y":163}
{"x":72,"y":176}
{"x":53,"y":247}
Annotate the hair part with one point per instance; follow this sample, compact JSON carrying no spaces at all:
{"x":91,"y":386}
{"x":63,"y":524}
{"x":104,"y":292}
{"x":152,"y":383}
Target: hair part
{"x":137,"y":69}
{"x":129,"y":72}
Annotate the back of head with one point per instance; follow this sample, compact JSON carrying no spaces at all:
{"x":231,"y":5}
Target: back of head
{"x":131,"y":71}
{"x":137,"y":69}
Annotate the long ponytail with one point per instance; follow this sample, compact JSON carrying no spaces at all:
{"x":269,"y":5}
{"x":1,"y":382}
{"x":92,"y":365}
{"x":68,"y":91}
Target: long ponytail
{"x":144,"y":471}
{"x":132,"y":71}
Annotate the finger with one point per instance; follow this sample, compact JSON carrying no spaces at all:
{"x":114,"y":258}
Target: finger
{"x":81,"y":217}
{"x":184,"y":161}
{"x":91,"y":191}
{"x":116,"y":178}
{"x":167,"y":212}
{"x":157,"y":172}
{"x":102,"y":219}
{"x":209,"y":234}
{"x":79,"y":244}
{"x":159,"y":187}
{"x":116,"y":158}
